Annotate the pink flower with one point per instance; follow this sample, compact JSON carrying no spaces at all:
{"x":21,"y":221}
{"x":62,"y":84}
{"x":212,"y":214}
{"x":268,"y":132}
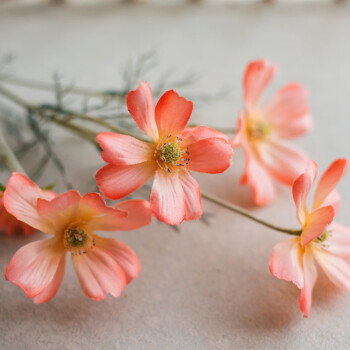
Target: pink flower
{"x":262,"y":132}
{"x":102,"y":265}
{"x":175,"y":152}
{"x":321,"y":239}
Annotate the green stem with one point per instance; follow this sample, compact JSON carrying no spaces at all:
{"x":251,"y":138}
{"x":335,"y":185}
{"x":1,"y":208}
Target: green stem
{"x":248,"y":215}
{"x":9,"y":157}
{"x":90,"y":136}
{"x":108,"y":125}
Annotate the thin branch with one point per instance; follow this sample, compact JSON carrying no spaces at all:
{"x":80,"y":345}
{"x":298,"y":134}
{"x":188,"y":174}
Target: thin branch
{"x":9,"y":157}
{"x":242,"y":212}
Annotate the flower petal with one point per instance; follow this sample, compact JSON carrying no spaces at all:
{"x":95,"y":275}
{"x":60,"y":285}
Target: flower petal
{"x":288,"y":112}
{"x":99,"y":273}
{"x":212,"y":156}
{"x":97,"y":215}
{"x":310,"y":276}
{"x":50,"y":291}
{"x":333,"y":199}
{"x":257,"y":76}
{"x":60,"y":211}
{"x":336,"y":268}
{"x":92,"y":204}
{"x":329,"y":180}
{"x":237,"y":139}
{"x":116,"y":181}
{"x":287,"y":262}
{"x":167,"y":198}
{"x":192,"y":196}
{"x":285,"y":162}
{"x":124,"y":150}
{"x":172,"y":114}
{"x":141,"y":107}
{"x":34,"y":266}
{"x":127,"y":215}
{"x":338,"y":241}
{"x":316,"y":224}
{"x":121,"y":254}
{"x":301,"y":189}
{"x":139,"y":214}
{"x":191,"y":135}
{"x":258,"y":178}
{"x":20,"y":200}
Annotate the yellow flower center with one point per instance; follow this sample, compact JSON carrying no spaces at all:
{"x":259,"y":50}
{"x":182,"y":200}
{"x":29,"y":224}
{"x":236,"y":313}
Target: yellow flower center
{"x":76,"y":238}
{"x":257,"y":128}
{"x":169,"y":154}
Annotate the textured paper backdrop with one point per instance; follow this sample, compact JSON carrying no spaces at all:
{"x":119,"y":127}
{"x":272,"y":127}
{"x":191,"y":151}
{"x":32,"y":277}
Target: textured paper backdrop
{"x":205,"y":287}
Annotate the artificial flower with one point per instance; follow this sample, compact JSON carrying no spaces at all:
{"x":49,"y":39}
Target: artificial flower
{"x":173,"y":154}
{"x":102,"y":265}
{"x":321,"y":239}
{"x":262,"y":131}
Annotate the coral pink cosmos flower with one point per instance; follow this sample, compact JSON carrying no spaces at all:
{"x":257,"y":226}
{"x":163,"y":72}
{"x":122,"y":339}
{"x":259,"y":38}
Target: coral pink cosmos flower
{"x":102,"y":265}
{"x":9,"y":224}
{"x":262,"y":131}
{"x":322,"y":239}
{"x":175,"y":152}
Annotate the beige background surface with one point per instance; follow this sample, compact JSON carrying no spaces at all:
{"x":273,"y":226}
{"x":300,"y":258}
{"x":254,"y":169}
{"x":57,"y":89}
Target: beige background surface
{"x":205,"y":287}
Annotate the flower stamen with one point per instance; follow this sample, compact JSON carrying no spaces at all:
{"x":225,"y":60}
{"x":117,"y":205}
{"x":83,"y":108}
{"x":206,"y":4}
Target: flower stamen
{"x":257,"y":129}
{"x":76,"y":239}
{"x":169,"y":154}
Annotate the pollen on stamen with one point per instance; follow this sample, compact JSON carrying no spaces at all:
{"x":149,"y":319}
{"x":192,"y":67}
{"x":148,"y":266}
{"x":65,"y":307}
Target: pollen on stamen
{"x":76,"y":239}
{"x":170,"y":153}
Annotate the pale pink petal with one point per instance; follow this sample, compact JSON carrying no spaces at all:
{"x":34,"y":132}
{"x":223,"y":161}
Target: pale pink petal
{"x":167,"y":198}
{"x":50,"y":291}
{"x":192,"y":196}
{"x":257,"y":76}
{"x":286,"y":262}
{"x":316,"y":224}
{"x":301,"y":189}
{"x":20,"y":200}
{"x":117,"y":181}
{"x":329,"y":180}
{"x":60,"y":211}
{"x":97,"y":215}
{"x":124,"y":150}
{"x":334,"y":200}
{"x":99,"y":273}
{"x":92,"y":204}
{"x":122,"y":255}
{"x":237,"y":139}
{"x":310,"y":276}
{"x":284,"y":161}
{"x":288,"y":112}
{"x":128,"y":215}
{"x":258,"y":178}
{"x":338,"y":241}
{"x":191,"y":135}
{"x":34,"y":266}
{"x":212,"y":156}
{"x":172,"y":114}
{"x":139,"y":214}
{"x":141,"y":107}
{"x":336,"y":268}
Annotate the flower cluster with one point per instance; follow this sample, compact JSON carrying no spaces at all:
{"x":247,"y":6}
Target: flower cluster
{"x":170,"y":151}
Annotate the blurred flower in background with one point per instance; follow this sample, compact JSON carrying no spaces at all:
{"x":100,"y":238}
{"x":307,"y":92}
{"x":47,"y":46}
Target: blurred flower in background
{"x":262,"y":131}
